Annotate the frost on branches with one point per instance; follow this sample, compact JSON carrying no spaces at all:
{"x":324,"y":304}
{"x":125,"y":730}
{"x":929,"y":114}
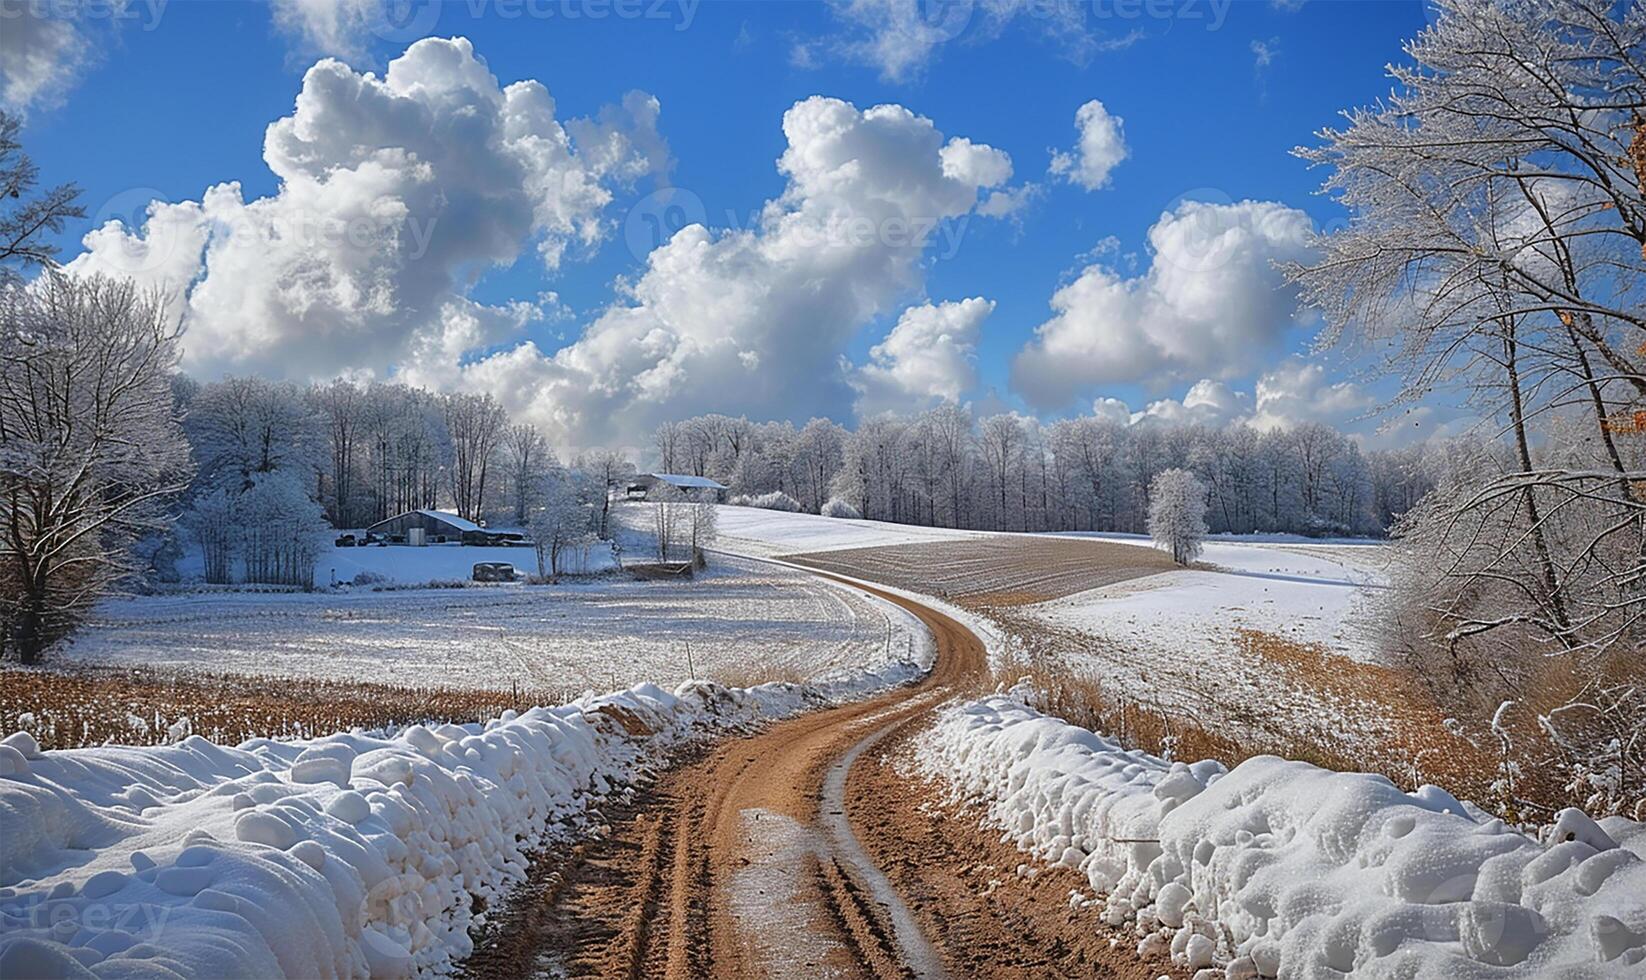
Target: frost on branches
{"x":1177,"y":514}
{"x":1497,"y":247}
{"x":90,"y":446}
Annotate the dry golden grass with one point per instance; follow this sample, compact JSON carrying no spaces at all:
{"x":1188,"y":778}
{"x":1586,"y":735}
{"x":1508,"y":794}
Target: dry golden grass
{"x":1414,"y":746}
{"x":1417,"y":744}
{"x":755,"y":674}
{"x":1081,"y":698}
{"x":98,"y":706}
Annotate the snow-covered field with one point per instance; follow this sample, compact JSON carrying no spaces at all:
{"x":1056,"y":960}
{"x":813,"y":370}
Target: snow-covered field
{"x":1280,"y":868}
{"x":1302,"y":590}
{"x":1318,"y":594}
{"x":347,"y":856}
{"x":403,"y":565}
{"x":768,"y":533}
{"x":739,"y":619}
{"x":1191,"y":642}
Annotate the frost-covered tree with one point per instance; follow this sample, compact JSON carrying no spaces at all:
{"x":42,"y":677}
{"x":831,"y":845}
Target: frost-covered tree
{"x":669,"y":442}
{"x":1177,"y":514}
{"x":407,"y":446}
{"x":702,"y":521}
{"x":281,"y":530}
{"x":666,"y":503}
{"x":819,"y":452}
{"x":339,"y":406}
{"x":213,"y":521}
{"x":1497,"y":244}
{"x":475,"y":425}
{"x":842,"y":508}
{"x":559,"y":519}
{"x":947,"y":429}
{"x":90,"y":445}
{"x":873,"y":478}
{"x":526,"y":460}
{"x":245,"y":428}
{"x":1496,"y":250}
{"x":999,"y":440}
{"x":604,"y":470}
{"x":28,"y":222}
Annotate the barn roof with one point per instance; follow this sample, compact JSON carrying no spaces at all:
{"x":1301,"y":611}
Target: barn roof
{"x":688,"y":482}
{"x":443,"y":516}
{"x":461,"y":523}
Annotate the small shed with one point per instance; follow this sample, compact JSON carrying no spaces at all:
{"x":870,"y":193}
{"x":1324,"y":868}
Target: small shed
{"x":425,"y":527}
{"x":693,"y":486}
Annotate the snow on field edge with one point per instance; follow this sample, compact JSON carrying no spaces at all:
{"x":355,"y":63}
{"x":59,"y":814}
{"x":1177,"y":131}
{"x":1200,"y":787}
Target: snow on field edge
{"x":345,"y":856}
{"x":1282,"y":865}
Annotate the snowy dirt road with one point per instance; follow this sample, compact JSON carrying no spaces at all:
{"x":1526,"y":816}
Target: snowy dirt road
{"x":755,"y":860}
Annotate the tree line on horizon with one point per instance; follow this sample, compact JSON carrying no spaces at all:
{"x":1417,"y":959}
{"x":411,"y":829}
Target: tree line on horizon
{"x":1008,"y":472}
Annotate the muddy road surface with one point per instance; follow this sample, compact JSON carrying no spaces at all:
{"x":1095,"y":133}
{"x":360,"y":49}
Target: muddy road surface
{"x":767,"y":856}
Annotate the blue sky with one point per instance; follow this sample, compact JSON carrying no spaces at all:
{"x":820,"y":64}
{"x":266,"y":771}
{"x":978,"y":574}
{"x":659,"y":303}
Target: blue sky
{"x":169,"y":101}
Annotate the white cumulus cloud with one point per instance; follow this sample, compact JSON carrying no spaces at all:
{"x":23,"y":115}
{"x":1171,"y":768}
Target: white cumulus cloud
{"x":928,"y":357}
{"x":754,"y":320}
{"x":1210,"y":304}
{"x":1297,"y":391}
{"x":1100,"y":148}
{"x":1207,"y":402}
{"x":41,"y":56}
{"x":1293,"y":392}
{"x":394,"y":192}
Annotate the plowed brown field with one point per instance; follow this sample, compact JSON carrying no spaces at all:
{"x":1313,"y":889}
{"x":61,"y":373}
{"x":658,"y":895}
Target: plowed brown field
{"x":980,"y":573}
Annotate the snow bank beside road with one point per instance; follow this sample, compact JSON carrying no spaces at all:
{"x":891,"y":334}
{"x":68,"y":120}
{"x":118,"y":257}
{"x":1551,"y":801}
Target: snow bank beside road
{"x":345,"y":856}
{"x":1282,"y":864}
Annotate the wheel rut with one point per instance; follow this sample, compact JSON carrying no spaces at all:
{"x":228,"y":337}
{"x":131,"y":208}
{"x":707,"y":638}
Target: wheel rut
{"x":745,"y":861}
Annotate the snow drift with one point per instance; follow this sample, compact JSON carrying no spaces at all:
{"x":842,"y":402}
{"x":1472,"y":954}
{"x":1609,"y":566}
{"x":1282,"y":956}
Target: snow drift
{"x":346,"y":856}
{"x":1279,"y":865}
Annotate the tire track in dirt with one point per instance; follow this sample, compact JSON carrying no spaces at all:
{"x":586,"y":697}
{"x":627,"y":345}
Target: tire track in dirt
{"x":721,"y":868}
{"x":755,"y":859}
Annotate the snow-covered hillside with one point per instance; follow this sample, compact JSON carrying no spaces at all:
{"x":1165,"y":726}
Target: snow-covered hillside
{"x":766,"y":533}
{"x":1318,"y":594}
{"x":1298,"y":588}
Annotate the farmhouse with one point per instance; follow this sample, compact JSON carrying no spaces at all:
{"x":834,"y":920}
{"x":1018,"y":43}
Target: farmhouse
{"x":419,"y":527}
{"x":694,"y":486}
